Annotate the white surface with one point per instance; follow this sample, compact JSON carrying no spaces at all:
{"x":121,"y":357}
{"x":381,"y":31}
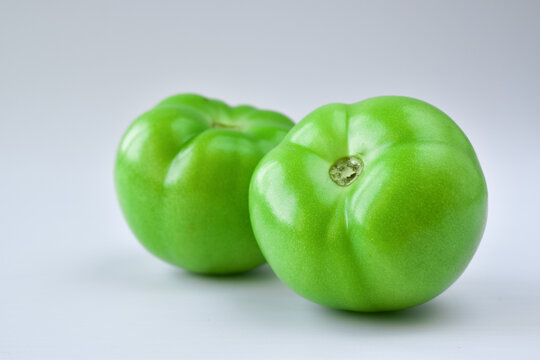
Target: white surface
{"x":75,"y":284}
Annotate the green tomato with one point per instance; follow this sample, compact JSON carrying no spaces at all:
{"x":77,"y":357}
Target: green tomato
{"x":374,"y":206}
{"x":182,"y":176}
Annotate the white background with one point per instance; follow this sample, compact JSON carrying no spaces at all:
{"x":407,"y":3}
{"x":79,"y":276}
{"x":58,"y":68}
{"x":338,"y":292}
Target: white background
{"x":75,"y":283}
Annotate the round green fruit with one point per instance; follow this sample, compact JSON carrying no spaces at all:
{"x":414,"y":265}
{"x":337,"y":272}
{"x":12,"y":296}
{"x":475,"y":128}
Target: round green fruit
{"x":182,"y":176}
{"x":374,"y":206}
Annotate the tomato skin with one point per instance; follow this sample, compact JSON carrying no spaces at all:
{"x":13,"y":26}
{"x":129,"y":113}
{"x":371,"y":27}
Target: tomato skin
{"x":182,"y":176}
{"x":399,"y":234}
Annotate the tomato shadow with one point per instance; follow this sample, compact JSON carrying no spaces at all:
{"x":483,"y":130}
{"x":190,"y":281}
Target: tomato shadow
{"x":259,"y":275}
{"x":435,"y":313}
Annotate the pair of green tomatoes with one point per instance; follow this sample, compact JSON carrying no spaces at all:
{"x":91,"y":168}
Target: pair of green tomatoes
{"x":378,"y":205}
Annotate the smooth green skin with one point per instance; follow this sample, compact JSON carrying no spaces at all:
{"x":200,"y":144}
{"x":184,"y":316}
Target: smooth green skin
{"x":397,"y":236}
{"x":182,"y":176}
